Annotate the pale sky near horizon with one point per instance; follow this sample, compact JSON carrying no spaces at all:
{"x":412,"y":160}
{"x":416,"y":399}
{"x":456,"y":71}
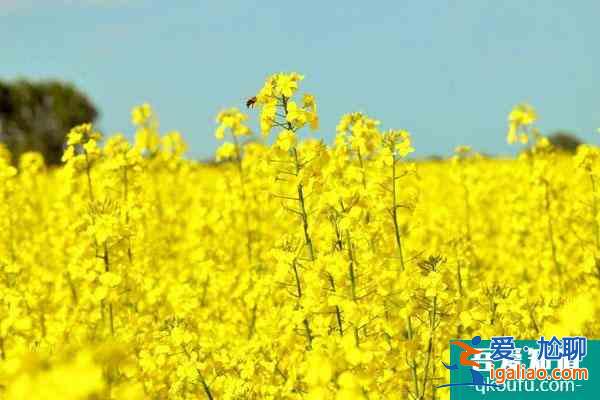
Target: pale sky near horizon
{"x":449,"y":72}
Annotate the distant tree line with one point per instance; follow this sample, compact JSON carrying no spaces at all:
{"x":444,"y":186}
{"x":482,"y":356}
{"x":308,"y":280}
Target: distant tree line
{"x":565,"y":141}
{"x":36,"y":116}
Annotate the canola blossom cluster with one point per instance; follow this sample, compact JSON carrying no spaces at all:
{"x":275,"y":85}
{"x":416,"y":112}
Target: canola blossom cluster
{"x":289,"y":269}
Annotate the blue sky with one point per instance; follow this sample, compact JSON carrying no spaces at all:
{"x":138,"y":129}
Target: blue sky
{"x":449,"y":72}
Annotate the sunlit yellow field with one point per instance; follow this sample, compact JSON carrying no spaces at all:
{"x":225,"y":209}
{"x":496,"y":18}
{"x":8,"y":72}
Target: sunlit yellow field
{"x":291,"y":269}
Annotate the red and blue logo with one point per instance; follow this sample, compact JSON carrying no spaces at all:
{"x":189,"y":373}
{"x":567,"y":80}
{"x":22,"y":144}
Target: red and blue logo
{"x":468,"y":351}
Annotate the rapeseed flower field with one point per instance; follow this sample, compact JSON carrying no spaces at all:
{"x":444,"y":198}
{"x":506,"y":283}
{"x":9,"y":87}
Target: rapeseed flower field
{"x":290,"y":269}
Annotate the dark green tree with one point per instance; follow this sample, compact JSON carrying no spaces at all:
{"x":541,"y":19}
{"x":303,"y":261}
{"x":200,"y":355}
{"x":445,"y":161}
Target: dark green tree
{"x":565,"y":141}
{"x":36,"y":116}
